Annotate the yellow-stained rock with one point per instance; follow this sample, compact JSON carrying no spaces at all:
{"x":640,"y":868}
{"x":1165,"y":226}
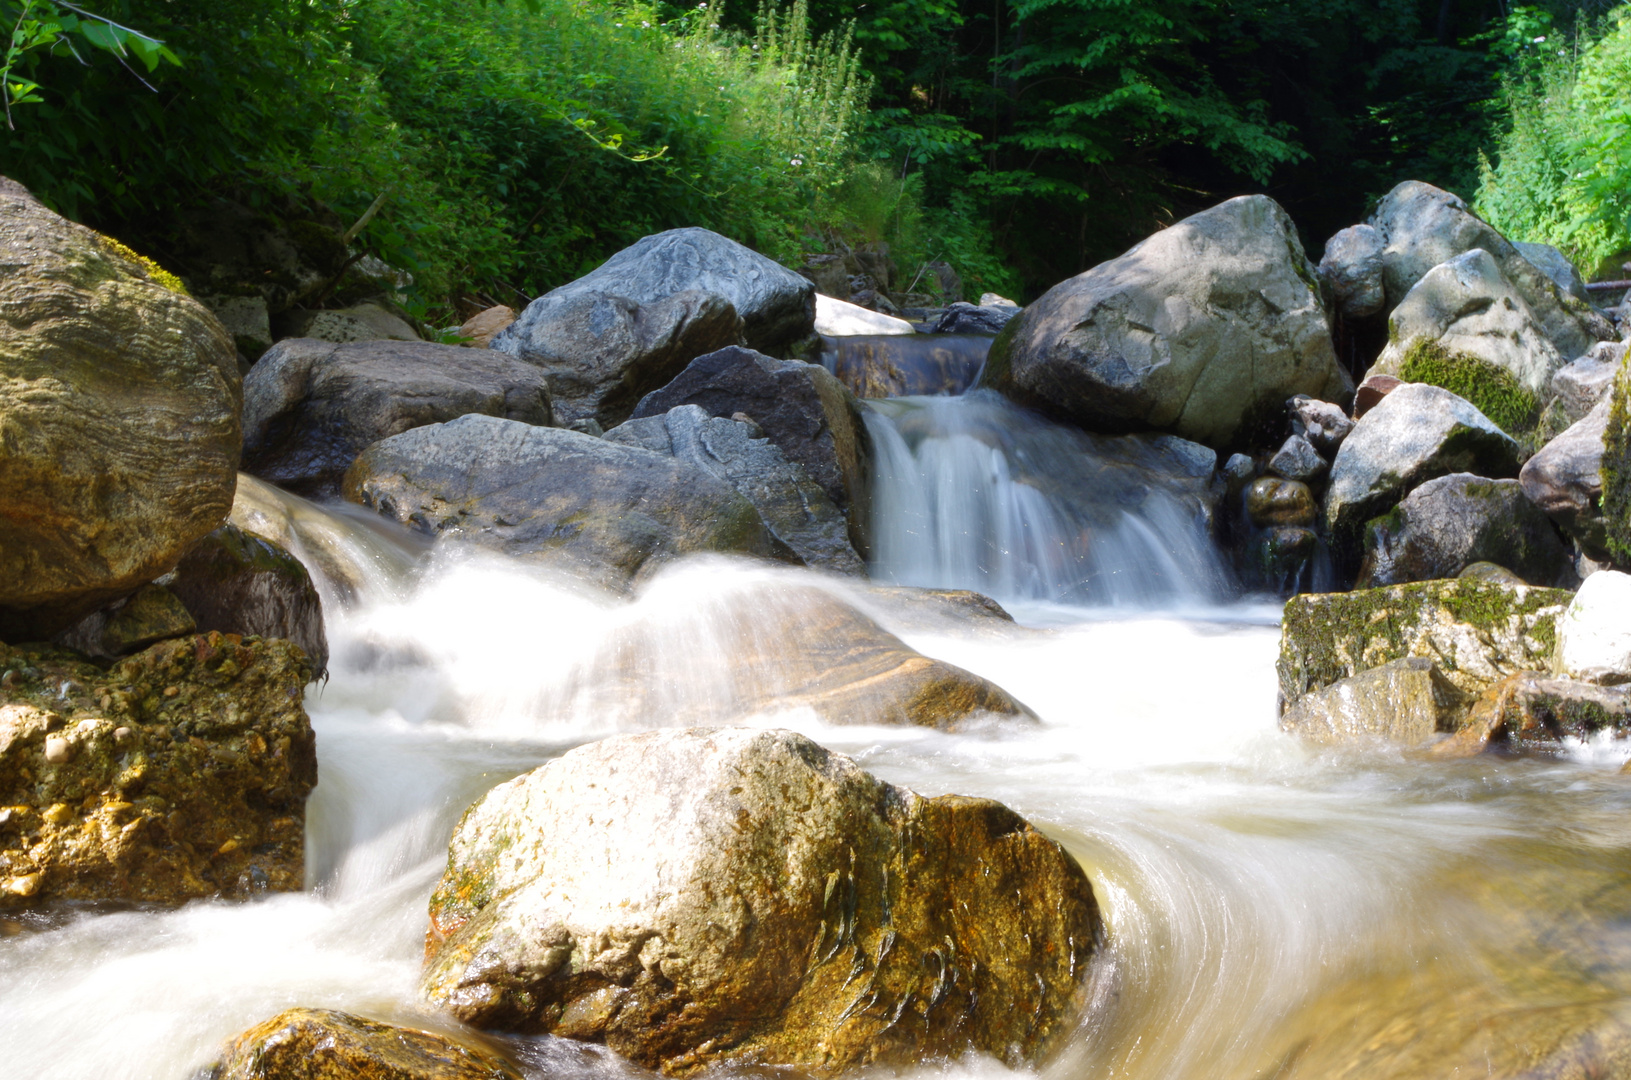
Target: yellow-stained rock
{"x":322,"y":1044}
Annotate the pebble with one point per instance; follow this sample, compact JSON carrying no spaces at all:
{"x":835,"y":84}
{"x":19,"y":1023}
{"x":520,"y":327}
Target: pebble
{"x":58,"y":749}
{"x":24,"y":885}
{"x":57,"y":813}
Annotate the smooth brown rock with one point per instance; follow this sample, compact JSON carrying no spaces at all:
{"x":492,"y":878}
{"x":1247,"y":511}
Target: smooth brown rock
{"x":702,"y":897}
{"x":1272,"y":501}
{"x":181,"y":772}
{"x":322,"y":1044}
{"x":481,"y":327}
{"x":1372,"y":390}
{"x":119,"y":436}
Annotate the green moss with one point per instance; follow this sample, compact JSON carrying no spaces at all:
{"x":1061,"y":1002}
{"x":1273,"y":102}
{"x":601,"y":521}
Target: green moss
{"x":997,"y":372}
{"x":1616,"y":468}
{"x":1495,"y":391}
{"x":158,"y":274}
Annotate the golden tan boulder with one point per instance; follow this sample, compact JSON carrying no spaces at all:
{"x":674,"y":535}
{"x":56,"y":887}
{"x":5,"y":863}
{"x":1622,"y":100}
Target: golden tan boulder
{"x":478,"y":329}
{"x":180,"y":772}
{"x":322,"y":1044}
{"x":119,"y":412}
{"x":702,"y":896}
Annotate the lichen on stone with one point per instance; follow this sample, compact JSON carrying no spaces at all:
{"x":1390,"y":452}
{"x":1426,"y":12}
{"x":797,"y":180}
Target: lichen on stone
{"x":158,"y":274}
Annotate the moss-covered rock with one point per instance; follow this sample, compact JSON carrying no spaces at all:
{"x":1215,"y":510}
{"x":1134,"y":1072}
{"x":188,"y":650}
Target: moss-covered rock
{"x":1477,"y":632}
{"x":1495,"y":392}
{"x":1616,"y":467}
{"x":180,"y":772}
{"x":322,"y":1044}
{"x":704,"y":896}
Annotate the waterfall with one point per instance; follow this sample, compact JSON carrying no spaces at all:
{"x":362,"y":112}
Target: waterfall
{"x":974,"y":492}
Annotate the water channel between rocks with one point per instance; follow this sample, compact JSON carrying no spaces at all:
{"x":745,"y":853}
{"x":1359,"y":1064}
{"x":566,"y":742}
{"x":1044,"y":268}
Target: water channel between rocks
{"x":1273,"y":911}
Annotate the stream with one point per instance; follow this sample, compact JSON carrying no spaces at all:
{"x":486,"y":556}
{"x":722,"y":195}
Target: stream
{"x":1273,"y":910}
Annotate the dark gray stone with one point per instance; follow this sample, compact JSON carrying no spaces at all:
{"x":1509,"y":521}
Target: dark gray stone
{"x":1320,"y":422}
{"x":602,"y":351}
{"x":964,"y":318}
{"x":1564,"y":479}
{"x":1449,"y":523}
{"x":1353,"y":265}
{"x":1297,"y":460}
{"x":310,"y":407}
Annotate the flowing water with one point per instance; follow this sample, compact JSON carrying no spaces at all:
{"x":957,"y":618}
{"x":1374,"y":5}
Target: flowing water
{"x":1272,"y":910}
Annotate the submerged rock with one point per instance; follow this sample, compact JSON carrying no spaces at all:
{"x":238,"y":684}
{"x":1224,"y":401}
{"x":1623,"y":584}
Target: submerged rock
{"x":322,"y":1044}
{"x":1203,"y":330}
{"x":602,"y":351}
{"x":181,"y":772}
{"x":777,"y":306}
{"x":1405,"y":701}
{"x":310,"y":407}
{"x":119,"y":402}
{"x":1594,"y":634}
{"x":802,"y":408}
{"x":793,"y":506}
{"x":706,"y":896}
{"x":884,"y":367}
{"x":1415,"y":434}
{"x":1477,"y":633}
{"x":1565,"y":479}
{"x":1453,"y":521}
{"x":554,"y":496}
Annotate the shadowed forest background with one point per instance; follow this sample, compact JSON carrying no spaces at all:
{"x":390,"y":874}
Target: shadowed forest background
{"x":509,"y":147}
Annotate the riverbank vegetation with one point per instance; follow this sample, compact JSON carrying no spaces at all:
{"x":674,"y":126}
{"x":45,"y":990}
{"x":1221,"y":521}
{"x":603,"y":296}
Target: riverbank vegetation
{"x":509,"y":146}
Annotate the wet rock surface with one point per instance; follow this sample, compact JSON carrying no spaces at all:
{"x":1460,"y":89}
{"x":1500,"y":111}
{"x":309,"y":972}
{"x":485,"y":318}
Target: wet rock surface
{"x":1451,"y":522}
{"x":1407,"y":702}
{"x":310,"y":407}
{"x":705,"y":896}
{"x":1272,"y":501}
{"x":802,"y":408}
{"x":178,"y":773}
{"x":601,"y":352}
{"x":793,"y":507}
{"x":555,"y":496}
{"x":1532,"y":710}
{"x":1476,"y":632}
{"x":873,"y":367}
{"x":323,"y":1044}
{"x":119,"y":406}
{"x":1415,"y":434}
{"x":239,"y":583}
{"x":777,"y":306}
{"x":1201,"y":330}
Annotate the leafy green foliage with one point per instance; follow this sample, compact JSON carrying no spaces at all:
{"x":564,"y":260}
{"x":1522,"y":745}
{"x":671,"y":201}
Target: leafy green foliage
{"x":1494,"y":391}
{"x":51,"y":27}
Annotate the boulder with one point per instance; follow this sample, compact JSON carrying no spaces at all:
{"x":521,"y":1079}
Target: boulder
{"x":180,"y":772}
{"x":1297,"y":460}
{"x":1493,"y":573}
{"x":554,"y":496}
{"x":1322,"y":423}
{"x":790,"y":648}
{"x":1555,"y":265}
{"x":601,"y":351}
{"x":1564,"y":479}
{"x":147,"y":616}
{"x":840,"y":318}
{"x":239,"y":583}
{"x":1477,"y":633}
{"x":1453,"y":521}
{"x":1530,"y":709}
{"x":310,"y":407}
{"x":1272,"y":501}
{"x":802,"y":408}
{"x":1466,"y":308}
{"x":479,"y":329}
{"x":1416,"y":433}
{"x":703,"y":897}
{"x":246,"y":319}
{"x":793,"y":506}
{"x":1594,"y":634}
{"x":1352,"y":263}
{"x":991,"y":299}
{"x":1423,"y":226}
{"x":1204,"y":330}
{"x":322,"y":1044}
{"x":1581,"y":385}
{"x":119,"y":407}
{"x":1407,"y":702}
{"x":961,"y":318}
{"x":777,"y":306}
{"x":363,"y":322}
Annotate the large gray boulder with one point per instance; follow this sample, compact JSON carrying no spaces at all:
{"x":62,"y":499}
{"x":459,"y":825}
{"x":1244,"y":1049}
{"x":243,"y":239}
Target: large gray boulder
{"x":1416,"y":433}
{"x":801,"y":407}
{"x":119,"y":413}
{"x":554,"y":496}
{"x":1468,"y":308}
{"x":777,"y":306}
{"x":1203,"y":330}
{"x":1449,"y":523}
{"x":1565,"y":479}
{"x":1579,"y":385}
{"x":1423,"y":226}
{"x":602,"y":351}
{"x":710,"y":896}
{"x":793,"y":506}
{"x":1555,"y":265}
{"x":1352,"y":263}
{"x":310,"y":407}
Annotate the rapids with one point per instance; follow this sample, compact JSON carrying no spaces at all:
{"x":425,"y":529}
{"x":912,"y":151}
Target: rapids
{"x":1273,"y":911}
